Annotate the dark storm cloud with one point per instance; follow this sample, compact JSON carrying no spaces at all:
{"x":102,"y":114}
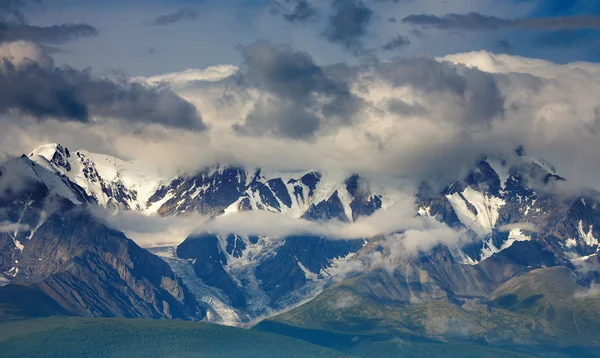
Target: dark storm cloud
{"x":284,"y":119}
{"x":45,"y":34}
{"x":477,"y":92}
{"x":475,"y":21}
{"x":348,"y":23}
{"x":69,"y":94}
{"x":301,"y":90}
{"x":285,"y":71}
{"x":13,"y":26}
{"x":470,"y":21}
{"x":170,"y":19}
{"x":300,"y":11}
{"x":10,"y":10}
{"x":396,"y":43}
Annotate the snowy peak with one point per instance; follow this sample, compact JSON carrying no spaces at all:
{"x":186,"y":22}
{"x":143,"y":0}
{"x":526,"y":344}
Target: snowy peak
{"x":224,"y":190}
{"x":214,"y":190}
{"x":501,"y":204}
{"x":53,"y":156}
{"x":110,"y":181}
{"x":41,"y":172}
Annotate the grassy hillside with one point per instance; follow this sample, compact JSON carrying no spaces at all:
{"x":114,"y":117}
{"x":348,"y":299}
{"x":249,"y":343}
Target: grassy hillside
{"x":538,"y":312}
{"x":384,"y":346}
{"x":98,"y":337}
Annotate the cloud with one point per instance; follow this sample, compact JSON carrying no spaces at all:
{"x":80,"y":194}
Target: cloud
{"x":396,"y":43}
{"x":348,"y":24}
{"x":15,"y":176}
{"x":148,"y":231}
{"x":173,"y":18}
{"x":45,"y":34}
{"x":399,"y":217}
{"x":474,"y":21}
{"x":13,"y":26}
{"x":344,"y":302}
{"x":398,"y":106}
{"x":477,"y":92}
{"x":151,"y":231}
{"x":470,"y":21}
{"x":395,"y":249}
{"x":297,"y":94}
{"x":21,"y":51}
{"x":295,"y":11}
{"x":13,"y":227}
{"x":11,"y":10}
{"x":592,"y":292}
{"x":419,"y":119}
{"x":41,"y":90}
{"x":523,"y":226}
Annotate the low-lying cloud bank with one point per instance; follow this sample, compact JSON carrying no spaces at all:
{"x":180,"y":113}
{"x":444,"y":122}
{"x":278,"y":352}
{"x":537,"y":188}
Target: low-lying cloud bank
{"x":399,"y":223}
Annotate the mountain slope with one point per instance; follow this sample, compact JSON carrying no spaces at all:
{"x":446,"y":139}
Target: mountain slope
{"x":54,"y":243}
{"x":238,"y":278}
{"x":529,"y":313}
{"x":525,"y":278}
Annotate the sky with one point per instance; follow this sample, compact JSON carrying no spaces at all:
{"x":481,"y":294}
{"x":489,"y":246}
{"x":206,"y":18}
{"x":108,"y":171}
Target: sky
{"x":132,"y":38}
{"x":419,"y":90}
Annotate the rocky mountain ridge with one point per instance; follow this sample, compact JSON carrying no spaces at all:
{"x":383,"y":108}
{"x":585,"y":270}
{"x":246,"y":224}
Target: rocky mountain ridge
{"x":515,"y":221}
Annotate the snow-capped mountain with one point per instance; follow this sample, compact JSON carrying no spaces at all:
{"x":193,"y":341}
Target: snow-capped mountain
{"x":511,"y":211}
{"x":501,"y":205}
{"x":110,"y":181}
{"x":216,"y":190}
{"x":312,"y":195}
{"x":235,"y":278}
{"x":54,"y":248}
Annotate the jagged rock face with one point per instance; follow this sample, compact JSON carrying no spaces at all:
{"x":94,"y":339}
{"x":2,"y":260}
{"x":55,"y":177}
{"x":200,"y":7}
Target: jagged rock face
{"x":208,"y":193}
{"x":364,"y":203}
{"x":297,"y":260}
{"x":501,"y":206}
{"x":253,"y":274}
{"x":102,"y":178}
{"x":69,"y":254}
{"x":312,"y":196}
{"x":332,"y":208}
{"x":116,"y":184}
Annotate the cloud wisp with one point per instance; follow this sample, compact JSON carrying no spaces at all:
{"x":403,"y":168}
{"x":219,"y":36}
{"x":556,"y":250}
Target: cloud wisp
{"x":348,"y":24}
{"x":294,"y":11}
{"x":475,"y":21}
{"x":173,"y":18}
{"x":13,"y":26}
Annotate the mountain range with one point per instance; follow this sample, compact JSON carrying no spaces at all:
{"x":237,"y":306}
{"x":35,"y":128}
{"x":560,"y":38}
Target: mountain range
{"x":522,"y":273}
